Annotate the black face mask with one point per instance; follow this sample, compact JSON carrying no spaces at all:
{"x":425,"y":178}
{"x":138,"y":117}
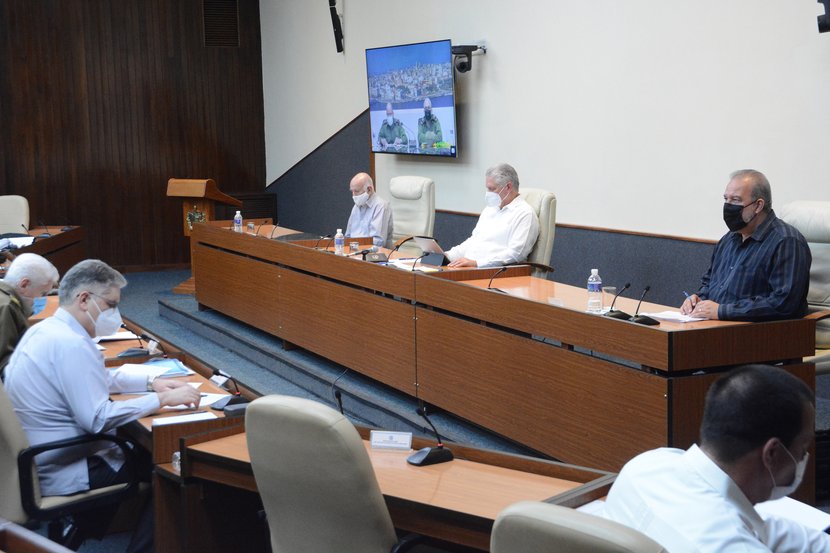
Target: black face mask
{"x":427,"y":113}
{"x":732,"y":216}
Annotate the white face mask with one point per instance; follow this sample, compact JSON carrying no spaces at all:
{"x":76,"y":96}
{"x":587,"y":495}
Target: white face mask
{"x":390,"y":120}
{"x":361,"y":199}
{"x":783,"y":491}
{"x":109,"y":321}
{"x":492,"y":199}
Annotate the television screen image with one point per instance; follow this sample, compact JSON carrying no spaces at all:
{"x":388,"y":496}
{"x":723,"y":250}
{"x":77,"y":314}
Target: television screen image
{"x":412,"y":99}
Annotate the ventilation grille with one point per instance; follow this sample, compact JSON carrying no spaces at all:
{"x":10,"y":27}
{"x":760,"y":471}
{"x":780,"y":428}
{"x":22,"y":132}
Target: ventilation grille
{"x":221,"y":21}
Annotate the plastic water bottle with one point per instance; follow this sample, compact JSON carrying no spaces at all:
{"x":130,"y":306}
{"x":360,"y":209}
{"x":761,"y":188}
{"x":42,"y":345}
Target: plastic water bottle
{"x":339,"y":241}
{"x":237,"y":222}
{"x":594,"y":292}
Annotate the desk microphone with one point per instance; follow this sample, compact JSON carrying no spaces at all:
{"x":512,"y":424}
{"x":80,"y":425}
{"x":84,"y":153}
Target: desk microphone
{"x":234,"y":399}
{"x":317,"y":243}
{"x":46,"y":234}
{"x":271,"y":236}
{"x":643,"y":319}
{"x":497,"y":273}
{"x":616,"y":314}
{"x":430,"y":455}
{"x":257,"y":229}
{"x":398,"y":245}
{"x":417,"y":259}
{"x":133,"y":352}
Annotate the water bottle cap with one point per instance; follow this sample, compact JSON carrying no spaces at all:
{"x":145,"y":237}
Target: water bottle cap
{"x":594,"y":271}
{"x":339,"y":230}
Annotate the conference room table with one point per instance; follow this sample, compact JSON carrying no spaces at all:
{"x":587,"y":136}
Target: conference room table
{"x":62,"y":246}
{"x":529,"y":364}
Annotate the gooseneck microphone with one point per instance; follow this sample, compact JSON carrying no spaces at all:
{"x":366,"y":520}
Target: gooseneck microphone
{"x":490,"y":284}
{"x":398,"y":245}
{"x":614,"y":313}
{"x":430,"y":455}
{"x":317,"y":243}
{"x":417,"y":259}
{"x":643,"y":319}
{"x":271,"y":236}
{"x":233,"y":399}
{"x":133,"y":352}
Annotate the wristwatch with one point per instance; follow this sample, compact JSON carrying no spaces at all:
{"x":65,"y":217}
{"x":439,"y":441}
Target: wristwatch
{"x":150,"y":383}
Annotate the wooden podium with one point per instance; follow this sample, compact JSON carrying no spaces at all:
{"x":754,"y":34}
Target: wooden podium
{"x":198,"y":206}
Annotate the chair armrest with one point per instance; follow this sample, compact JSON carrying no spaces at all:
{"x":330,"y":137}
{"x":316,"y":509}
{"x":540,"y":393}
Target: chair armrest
{"x":25,"y":460}
{"x":818,"y":315}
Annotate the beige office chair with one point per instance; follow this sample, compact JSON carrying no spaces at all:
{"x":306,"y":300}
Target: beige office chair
{"x":544,"y":204}
{"x":413,"y":209}
{"x":812,"y":219}
{"x":14,"y":214}
{"x":316,"y":481}
{"x":536,"y":527}
{"x":20,"y":498}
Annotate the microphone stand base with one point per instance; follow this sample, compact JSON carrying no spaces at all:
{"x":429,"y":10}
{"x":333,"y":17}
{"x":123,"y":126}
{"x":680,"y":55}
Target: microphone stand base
{"x":430,"y":456}
{"x":616,"y":314}
{"x":644,"y":320}
{"x":220,"y":405}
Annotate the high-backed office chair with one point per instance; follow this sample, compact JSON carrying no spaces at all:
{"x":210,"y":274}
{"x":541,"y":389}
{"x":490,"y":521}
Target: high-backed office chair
{"x":315,"y":479}
{"x":413,"y":207}
{"x":14,"y":214}
{"x":20,"y":498}
{"x":536,"y":527}
{"x":812,"y":219}
{"x":544,"y":204}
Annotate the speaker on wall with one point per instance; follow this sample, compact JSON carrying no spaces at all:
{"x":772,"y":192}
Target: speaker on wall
{"x":336,"y":26}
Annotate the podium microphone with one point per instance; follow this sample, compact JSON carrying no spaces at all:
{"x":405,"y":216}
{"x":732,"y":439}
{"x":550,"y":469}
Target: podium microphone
{"x":233,"y":399}
{"x":616,"y":314}
{"x":490,"y":284}
{"x":417,"y":259}
{"x":398,"y":245}
{"x":133,"y":352}
{"x":317,"y":243}
{"x":430,"y":455}
{"x":643,"y":319}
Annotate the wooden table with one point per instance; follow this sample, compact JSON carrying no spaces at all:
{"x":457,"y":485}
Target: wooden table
{"x":580,"y":387}
{"x":63,"y":248}
{"x":455,"y":502}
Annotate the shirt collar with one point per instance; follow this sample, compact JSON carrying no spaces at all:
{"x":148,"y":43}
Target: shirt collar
{"x":63,"y":315}
{"x":373,"y":199}
{"x":760,"y":233}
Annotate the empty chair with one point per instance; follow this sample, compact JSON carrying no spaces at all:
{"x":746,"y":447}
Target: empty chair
{"x":316,"y":480}
{"x":812,"y":219}
{"x":536,"y":527}
{"x":14,"y":214}
{"x":544,"y":204}
{"x":413,"y":207}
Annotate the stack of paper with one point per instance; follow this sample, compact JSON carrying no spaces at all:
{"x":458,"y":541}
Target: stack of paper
{"x":673,"y":316}
{"x":157,"y":368}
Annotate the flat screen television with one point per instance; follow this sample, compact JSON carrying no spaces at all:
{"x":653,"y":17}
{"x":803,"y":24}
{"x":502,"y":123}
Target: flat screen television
{"x":412,"y":99}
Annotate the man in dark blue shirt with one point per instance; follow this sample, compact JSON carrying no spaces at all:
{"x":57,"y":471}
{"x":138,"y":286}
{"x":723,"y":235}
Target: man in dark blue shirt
{"x":760,"y":270}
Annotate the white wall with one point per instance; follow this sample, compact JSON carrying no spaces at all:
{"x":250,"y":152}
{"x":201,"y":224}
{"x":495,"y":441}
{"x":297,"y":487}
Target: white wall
{"x":632,"y":112}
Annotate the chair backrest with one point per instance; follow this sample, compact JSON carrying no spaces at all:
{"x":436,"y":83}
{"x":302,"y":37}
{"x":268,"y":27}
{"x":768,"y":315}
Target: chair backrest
{"x":812,"y":219}
{"x":14,"y":214}
{"x":12,"y":441}
{"x":315,"y":479}
{"x":535,"y":527}
{"x":544,"y":204}
{"x":413,"y":206}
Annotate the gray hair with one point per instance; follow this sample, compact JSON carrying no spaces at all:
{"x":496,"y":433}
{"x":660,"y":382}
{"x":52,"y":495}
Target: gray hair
{"x":503,"y":173}
{"x":760,"y":185}
{"x":91,"y":275}
{"x":33,"y":267}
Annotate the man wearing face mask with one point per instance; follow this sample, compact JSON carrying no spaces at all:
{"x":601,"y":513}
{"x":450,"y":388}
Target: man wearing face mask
{"x":60,"y":389}
{"x":429,"y":127}
{"x":391,"y":131}
{"x":760,"y":270}
{"x":507,"y":227}
{"x":757,"y":428}
{"x":22,"y":294}
{"x":371,"y":214}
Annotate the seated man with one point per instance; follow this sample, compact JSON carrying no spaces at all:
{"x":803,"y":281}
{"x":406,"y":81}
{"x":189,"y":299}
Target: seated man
{"x":59,"y":387}
{"x":371,"y":214}
{"x":760,"y":270}
{"x":758,"y":424}
{"x":429,"y":127}
{"x":507,"y":228}
{"x":391,"y":132}
{"x":28,"y":278}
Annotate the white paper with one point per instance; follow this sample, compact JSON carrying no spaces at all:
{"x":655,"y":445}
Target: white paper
{"x":206,"y":401}
{"x":673,"y":316}
{"x":151,"y":370}
{"x":120,"y":335}
{"x":22,"y":241}
{"x":796,"y":511}
{"x":184,"y":418}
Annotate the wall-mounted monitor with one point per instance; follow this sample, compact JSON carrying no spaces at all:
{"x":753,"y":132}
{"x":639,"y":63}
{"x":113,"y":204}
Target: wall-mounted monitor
{"x":412,"y":99}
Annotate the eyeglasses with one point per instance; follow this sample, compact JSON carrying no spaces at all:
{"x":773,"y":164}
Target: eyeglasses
{"x":111,"y":304}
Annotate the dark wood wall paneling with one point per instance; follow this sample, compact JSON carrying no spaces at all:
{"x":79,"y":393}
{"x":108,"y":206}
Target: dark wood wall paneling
{"x":102,"y":101}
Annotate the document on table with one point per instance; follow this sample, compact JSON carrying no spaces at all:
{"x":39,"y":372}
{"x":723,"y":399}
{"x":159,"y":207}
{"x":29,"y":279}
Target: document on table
{"x":797,"y":511}
{"x":406,"y":265}
{"x":22,"y":241}
{"x":206,"y":401}
{"x":166,"y":368}
{"x":192,"y":417}
{"x":673,"y":316}
{"x":121,"y":335}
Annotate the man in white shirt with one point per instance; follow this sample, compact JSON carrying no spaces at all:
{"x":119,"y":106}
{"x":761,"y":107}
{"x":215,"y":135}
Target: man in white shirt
{"x":60,"y":389}
{"x":371,"y":214}
{"x":507,"y":228}
{"x":758,"y":424}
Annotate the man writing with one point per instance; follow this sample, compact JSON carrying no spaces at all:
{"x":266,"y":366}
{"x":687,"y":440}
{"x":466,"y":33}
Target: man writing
{"x":60,"y":389}
{"x":760,"y":270}
{"x":758,"y":424}
{"x":507,"y":228}
{"x":371,"y":214}
{"x":27,"y":280}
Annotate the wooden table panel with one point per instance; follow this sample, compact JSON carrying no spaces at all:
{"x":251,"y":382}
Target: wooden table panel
{"x":63,"y":248}
{"x":566,"y":404}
